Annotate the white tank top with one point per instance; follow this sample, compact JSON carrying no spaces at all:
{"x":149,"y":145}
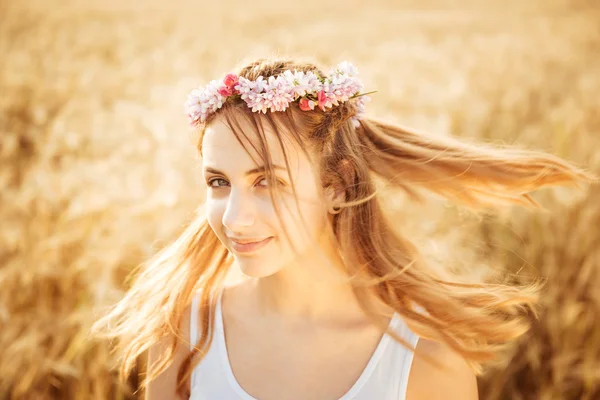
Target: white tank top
{"x":384,"y":378}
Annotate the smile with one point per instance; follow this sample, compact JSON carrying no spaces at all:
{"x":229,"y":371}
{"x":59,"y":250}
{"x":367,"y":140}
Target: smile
{"x":249,"y":247}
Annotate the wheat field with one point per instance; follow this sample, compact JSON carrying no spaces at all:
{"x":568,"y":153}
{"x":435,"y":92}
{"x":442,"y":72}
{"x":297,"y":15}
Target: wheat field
{"x":98,"y":167}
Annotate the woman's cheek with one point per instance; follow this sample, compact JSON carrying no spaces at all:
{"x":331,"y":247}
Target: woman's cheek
{"x":305,"y":223}
{"x":214,"y":215}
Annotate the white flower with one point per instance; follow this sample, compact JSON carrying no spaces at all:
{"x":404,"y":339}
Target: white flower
{"x":360,"y":104}
{"x":203,"y":101}
{"x":302,"y":82}
{"x":347,"y":68}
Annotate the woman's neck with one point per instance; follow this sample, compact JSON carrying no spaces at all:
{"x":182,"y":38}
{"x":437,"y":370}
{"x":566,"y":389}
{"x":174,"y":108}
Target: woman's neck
{"x":312,"y":289}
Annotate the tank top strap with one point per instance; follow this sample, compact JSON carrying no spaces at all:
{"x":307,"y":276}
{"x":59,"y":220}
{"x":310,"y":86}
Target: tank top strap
{"x":401,"y":357}
{"x":194,"y":320}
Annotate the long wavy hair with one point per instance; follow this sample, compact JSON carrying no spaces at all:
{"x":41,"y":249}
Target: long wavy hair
{"x":476,"y":319}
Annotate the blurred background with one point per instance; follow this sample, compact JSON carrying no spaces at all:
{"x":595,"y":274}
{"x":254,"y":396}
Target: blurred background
{"x":98,"y":167}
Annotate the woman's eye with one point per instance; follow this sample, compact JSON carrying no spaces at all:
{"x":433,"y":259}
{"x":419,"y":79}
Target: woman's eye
{"x":265,"y":182}
{"x":221,"y":182}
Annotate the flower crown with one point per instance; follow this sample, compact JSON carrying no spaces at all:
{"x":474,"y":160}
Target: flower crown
{"x":277,"y":92}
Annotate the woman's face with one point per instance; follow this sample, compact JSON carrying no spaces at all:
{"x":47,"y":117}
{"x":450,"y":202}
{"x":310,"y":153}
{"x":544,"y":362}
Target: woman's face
{"x":240,"y":210}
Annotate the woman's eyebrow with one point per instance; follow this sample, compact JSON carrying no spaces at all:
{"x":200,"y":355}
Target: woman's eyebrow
{"x":250,"y":172}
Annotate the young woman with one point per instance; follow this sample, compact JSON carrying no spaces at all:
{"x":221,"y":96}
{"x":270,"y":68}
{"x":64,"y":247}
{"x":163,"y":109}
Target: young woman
{"x":336,"y":304}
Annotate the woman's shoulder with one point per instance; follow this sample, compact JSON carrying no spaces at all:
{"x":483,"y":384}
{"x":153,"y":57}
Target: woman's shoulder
{"x":235,"y":300}
{"x":164,"y":385}
{"x":451,"y":379}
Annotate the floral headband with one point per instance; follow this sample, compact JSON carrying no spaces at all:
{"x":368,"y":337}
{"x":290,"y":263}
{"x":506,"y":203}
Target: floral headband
{"x":277,"y":92}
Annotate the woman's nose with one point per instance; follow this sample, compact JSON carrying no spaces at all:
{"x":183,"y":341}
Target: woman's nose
{"x":239,"y":213}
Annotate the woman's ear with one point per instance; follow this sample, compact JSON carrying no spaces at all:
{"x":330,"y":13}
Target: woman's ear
{"x":333,"y":198}
{"x":334,"y":195}
{"x":336,"y":192}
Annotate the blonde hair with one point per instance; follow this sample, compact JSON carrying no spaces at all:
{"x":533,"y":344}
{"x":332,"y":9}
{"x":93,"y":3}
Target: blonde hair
{"x":477,"y":320}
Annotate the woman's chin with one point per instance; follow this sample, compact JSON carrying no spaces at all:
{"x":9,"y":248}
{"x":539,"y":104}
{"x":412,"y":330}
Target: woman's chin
{"x":255,"y":268}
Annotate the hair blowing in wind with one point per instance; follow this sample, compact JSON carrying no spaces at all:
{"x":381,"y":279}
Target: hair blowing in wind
{"x":476,"y":319}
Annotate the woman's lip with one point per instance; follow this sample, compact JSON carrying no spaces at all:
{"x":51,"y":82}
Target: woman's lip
{"x":250,"y":247}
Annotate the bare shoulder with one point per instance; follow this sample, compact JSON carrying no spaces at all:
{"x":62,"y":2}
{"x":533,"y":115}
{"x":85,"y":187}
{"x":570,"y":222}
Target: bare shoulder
{"x":454,"y":379}
{"x":164,"y":385}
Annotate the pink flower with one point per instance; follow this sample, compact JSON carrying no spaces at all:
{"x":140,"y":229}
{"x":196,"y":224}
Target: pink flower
{"x":303,"y":104}
{"x":322,"y":97}
{"x":225,"y":91}
{"x":230,"y":80}
{"x":306,"y":104}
